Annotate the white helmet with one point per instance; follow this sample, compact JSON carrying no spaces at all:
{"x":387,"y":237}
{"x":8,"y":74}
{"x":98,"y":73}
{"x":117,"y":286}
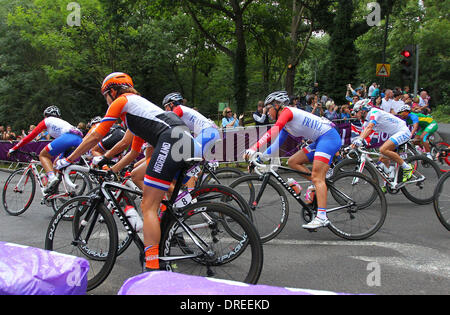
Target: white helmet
{"x":279,"y":96}
{"x":404,"y":108}
{"x":364,"y":105}
{"x":172,"y":97}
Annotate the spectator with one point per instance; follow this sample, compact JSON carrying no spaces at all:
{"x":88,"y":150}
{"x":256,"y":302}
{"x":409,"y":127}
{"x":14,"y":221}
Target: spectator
{"x":386,"y":103}
{"x":378,"y":101}
{"x":229,"y":120}
{"x":397,"y":102}
{"x":9,"y":134}
{"x":43,"y":136}
{"x":424,"y":103}
{"x":302,"y":104}
{"x":345,"y":112}
{"x":314,"y":107}
{"x":82,"y":127}
{"x":406,"y":89}
{"x":324,"y":99}
{"x":260,"y":116}
{"x":372,"y":89}
{"x":352,"y":94}
{"x":331,"y":111}
{"x":315,"y":88}
{"x":2,"y":133}
{"x":415,"y":105}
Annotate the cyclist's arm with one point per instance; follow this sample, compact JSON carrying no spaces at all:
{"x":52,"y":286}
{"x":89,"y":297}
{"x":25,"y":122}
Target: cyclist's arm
{"x":120,"y":146}
{"x":284,"y":118}
{"x":131,"y":156}
{"x":33,"y":134}
{"x":113,"y":113}
{"x":368,"y":130}
{"x":275,"y":146}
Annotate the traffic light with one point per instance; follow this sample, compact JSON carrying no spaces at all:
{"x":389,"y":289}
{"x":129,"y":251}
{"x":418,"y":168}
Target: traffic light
{"x":406,"y":61}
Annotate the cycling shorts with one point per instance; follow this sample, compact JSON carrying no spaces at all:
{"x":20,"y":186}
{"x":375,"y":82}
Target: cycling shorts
{"x":63,"y":143}
{"x":110,"y":140}
{"x":401,"y":137}
{"x":430,"y":129}
{"x":169,"y":157}
{"x":205,"y":141}
{"x":325,"y":147}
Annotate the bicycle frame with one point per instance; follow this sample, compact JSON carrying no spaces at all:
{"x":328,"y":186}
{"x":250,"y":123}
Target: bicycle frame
{"x":309,"y":207}
{"x":106,"y":193}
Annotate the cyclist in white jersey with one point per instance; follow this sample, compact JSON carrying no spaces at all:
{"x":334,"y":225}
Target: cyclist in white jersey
{"x":381,"y":121}
{"x":66,"y":136}
{"x":299,"y":123}
{"x":205,"y":130}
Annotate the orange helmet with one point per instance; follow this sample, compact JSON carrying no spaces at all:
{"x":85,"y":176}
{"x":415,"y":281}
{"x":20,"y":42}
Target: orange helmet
{"x":116,"y":79}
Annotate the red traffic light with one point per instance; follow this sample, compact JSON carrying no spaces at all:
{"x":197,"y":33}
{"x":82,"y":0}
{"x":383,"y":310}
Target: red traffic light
{"x":406,"y":53}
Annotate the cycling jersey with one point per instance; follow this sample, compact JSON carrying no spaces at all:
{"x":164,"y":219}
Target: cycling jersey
{"x":150,"y":123}
{"x":300,"y":123}
{"x":193,"y":119}
{"x":385,"y":122}
{"x":64,"y":133}
{"x":423,"y":120}
{"x":204,"y":129}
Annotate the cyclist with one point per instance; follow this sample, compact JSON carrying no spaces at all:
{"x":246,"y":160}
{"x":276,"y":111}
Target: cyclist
{"x":381,"y":121}
{"x":424,"y":126}
{"x":66,"y":136}
{"x":115,"y":134}
{"x":299,"y":123}
{"x":204,"y":129}
{"x":165,"y":131}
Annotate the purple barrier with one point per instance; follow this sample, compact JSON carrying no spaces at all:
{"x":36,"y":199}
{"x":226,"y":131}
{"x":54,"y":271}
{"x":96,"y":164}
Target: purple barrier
{"x":34,"y":146}
{"x":171,"y":283}
{"x":31,"y":271}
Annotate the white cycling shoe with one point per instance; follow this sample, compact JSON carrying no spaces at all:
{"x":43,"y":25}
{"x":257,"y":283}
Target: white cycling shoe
{"x":316,"y":223}
{"x":51,"y":185}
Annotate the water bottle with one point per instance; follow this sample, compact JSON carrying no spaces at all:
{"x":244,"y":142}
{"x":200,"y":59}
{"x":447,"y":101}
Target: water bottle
{"x":294,"y":185}
{"x":134,"y":218}
{"x":44,"y":179}
{"x":310,"y":193}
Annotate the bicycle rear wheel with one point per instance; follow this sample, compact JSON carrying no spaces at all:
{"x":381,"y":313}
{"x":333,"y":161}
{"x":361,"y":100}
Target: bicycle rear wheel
{"x":223,"y":176}
{"x":356,"y":206}
{"x":18,"y":191}
{"x":198,"y":243}
{"x":97,"y":242}
{"x":442,"y":201}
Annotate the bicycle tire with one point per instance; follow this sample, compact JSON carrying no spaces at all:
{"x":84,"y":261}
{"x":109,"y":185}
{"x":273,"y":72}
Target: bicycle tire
{"x":422,"y":165}
{"x":11,"y":207}
{"x":60,"y":237}
{"x":206,"y":218}
{"x":352,"y":165}
{"x":225,"y":176}
{"x":368,"y":213}
{"x":441,"y":201}
{"x":268,"y":220}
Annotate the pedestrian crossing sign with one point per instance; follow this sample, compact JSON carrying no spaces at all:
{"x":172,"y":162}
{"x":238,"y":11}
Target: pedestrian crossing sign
{"x":383,"y":70}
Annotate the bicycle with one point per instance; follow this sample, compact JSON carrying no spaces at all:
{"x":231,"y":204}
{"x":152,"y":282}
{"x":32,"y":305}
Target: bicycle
{"x":20,"y":187}
{"x":203,"y":238}
{"x":441,"y":201}
{"x":352,"y":214}
{"x":417,"y":189}
{"x":206,"y":192}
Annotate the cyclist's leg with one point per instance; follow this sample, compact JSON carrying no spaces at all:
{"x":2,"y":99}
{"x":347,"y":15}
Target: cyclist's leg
{"x":388,"y":149}
{"x":161,"y":170}
{"x":428,"y":131}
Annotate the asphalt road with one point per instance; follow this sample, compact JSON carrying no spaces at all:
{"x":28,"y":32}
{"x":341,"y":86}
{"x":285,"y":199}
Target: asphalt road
{"x":409,"y":255}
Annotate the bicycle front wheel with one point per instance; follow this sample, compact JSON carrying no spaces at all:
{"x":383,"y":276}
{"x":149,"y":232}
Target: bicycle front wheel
{"x":356,"y":206}
{"x":19,"y":191}
{"x":96,"y":240}
{"x":199,"y":243}
{"x":420,"y":188}
{"x":442,"y":201}
{"x":268,"y":203}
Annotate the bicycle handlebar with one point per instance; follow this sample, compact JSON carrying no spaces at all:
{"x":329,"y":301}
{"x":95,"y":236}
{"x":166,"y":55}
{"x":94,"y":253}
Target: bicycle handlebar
{"x":73,"y":168}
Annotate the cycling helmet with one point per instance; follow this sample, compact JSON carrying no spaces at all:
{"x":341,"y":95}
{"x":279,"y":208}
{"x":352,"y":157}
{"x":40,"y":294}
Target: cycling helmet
{"x":364,"y":105}
{"x":94,"y":121}
{"x":172,"y":97}
{"x":404,"y":108}
{"x":279,"y":96}
{"x":116,"y":79}
{"x":52,"y":111}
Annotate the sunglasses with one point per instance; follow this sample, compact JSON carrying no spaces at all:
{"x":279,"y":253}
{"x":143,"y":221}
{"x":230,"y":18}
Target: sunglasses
{"x":229,"y":111}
